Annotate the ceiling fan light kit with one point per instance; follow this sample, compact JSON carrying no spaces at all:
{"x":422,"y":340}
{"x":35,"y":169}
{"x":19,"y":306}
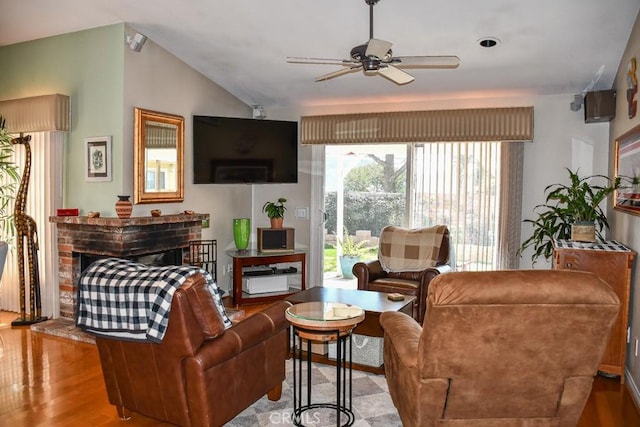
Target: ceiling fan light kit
{"x":375,"y":57}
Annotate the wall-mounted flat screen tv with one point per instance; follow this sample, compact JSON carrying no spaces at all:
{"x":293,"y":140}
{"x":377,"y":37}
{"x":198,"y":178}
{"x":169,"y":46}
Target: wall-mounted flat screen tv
{"x":234,"y":150}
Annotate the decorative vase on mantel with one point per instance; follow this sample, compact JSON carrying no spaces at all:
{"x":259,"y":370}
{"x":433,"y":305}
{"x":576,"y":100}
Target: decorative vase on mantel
{"x":124,"y":207}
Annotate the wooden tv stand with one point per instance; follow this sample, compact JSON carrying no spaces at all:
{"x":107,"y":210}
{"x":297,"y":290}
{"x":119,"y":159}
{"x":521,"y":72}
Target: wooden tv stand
{"x":249,"y":258}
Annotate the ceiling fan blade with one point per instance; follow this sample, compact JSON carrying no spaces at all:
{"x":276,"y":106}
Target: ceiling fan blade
{"x":426,"y":61}
{"x":378,"y":48}
{"x":396,"y":75}
{"x":338,"y":73}
{"x":321,"y":61}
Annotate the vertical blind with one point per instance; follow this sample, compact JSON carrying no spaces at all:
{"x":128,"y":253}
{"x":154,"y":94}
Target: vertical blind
{"x":457,"y":184}
{"x":509,"y":222}
{"x":464,"y":125}
{"x":44,"y":196}
{"x":160,"y":135}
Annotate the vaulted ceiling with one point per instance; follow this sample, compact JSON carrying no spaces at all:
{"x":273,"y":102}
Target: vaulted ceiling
{"x":545,"y":46}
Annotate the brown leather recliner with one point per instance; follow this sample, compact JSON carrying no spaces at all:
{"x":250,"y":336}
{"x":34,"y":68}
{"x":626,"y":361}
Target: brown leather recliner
{"x":200,"y":374}
{"x":372,"y":277}
{"x":500,"y":348}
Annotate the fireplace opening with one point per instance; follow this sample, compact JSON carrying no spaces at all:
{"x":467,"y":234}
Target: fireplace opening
{"x":157,"y":259}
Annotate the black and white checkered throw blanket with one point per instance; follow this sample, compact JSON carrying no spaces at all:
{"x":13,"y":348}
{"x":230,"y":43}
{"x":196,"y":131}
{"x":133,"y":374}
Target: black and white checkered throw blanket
{"x":125,"y":299}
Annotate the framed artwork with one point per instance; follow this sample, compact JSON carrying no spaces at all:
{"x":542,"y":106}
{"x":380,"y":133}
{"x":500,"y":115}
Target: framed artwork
{"x":627,"y":168}
{"x":97,"y":158}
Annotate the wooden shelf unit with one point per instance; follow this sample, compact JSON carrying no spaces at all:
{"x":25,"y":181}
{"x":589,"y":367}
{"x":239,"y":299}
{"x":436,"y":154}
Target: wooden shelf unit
{"x":252,"y":257}
{"x":613,"y":263}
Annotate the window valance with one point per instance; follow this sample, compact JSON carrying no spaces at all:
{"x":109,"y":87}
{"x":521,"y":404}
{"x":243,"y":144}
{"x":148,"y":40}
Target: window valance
{"x":160,"y":135}
{"x":483,"y":124}
{"x":37,"y":113}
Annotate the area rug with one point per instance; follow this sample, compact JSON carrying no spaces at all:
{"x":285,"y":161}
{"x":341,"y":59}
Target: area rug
{"x":371,"y":404}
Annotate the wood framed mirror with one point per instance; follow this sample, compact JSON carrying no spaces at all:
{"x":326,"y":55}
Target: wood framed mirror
{"x":158,"y":157}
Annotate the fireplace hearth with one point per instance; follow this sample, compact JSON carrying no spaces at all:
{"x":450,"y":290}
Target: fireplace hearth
{"x":82,"y":240}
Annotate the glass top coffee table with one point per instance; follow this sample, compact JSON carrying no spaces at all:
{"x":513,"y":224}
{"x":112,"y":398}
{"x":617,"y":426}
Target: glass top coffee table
{"x":373,"y":304}
{"x":323,"y":321}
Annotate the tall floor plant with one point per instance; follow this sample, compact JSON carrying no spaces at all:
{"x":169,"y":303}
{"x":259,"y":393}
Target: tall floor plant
{"x":9,"y":179}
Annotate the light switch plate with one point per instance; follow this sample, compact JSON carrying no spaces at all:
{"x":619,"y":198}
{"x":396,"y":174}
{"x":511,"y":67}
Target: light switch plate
{"x":302,"y":213}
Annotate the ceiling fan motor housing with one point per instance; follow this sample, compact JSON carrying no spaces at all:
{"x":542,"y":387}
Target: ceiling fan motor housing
{"x":371,"y":62}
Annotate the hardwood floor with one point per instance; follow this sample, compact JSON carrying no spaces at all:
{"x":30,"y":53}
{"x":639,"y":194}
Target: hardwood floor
{"x":50,"y":381}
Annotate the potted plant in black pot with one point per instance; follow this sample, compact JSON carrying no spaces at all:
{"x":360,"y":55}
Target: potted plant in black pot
{"x":9,"y":177}
{"x":570,"y":212}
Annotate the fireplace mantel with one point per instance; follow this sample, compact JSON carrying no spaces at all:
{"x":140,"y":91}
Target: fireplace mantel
{"x":117,"y":237}
{"x":134,"y":221}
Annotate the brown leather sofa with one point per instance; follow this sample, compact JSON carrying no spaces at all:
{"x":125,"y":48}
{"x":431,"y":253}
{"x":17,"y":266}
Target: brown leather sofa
{"x":200,"y":374}
{"x":500,"y":348}
{"x":372,"y":277}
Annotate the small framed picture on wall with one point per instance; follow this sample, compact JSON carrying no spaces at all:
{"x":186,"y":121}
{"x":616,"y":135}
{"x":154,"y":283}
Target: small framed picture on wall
{"x":97,"y":158}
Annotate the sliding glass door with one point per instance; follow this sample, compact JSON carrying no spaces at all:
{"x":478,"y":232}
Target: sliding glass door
{"x":367,"y":187}
{"x":365,"y":190}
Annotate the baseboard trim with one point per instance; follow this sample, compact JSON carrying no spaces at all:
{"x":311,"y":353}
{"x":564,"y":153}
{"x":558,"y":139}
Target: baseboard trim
{"x":632,"y":387}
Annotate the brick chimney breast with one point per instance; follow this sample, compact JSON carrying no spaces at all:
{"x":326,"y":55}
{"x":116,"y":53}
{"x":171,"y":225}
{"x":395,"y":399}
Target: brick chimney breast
{"x":124,"y":238}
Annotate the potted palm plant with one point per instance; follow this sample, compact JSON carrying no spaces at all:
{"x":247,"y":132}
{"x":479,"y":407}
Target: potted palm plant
{"x":571,"y":211}
{"x":9,"y":177}
{"x":275,"y":212}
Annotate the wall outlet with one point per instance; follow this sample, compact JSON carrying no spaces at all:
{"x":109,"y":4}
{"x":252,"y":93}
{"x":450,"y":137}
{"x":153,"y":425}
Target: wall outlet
{"x":229,"y":268}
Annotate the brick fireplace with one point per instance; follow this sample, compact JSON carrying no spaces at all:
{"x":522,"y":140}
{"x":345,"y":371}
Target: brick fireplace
{"x":80,"y":236}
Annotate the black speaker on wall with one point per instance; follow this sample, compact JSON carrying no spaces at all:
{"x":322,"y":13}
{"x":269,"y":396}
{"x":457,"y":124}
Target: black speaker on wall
{"x":599,"y":106}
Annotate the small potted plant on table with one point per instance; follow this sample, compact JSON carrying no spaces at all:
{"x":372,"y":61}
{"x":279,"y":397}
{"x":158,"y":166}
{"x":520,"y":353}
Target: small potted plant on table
{"x":275,"y":212}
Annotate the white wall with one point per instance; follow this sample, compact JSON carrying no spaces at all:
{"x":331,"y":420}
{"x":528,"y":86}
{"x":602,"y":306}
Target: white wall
{"x":623,"y":225}
{"x":157,"y":80}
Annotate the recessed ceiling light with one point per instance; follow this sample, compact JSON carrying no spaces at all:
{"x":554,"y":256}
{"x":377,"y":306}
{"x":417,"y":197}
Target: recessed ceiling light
{"x":488,"y":41}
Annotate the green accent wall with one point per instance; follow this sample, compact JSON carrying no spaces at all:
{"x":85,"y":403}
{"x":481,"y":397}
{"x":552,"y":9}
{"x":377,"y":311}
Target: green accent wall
{"x":89,"y":67}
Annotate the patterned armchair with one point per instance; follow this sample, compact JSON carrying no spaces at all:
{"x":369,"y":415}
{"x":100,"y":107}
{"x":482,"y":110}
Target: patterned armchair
{"x":407,"y":262}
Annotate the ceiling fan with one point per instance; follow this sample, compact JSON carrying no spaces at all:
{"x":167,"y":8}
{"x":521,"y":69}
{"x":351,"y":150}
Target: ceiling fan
{"x":375,"y":58}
